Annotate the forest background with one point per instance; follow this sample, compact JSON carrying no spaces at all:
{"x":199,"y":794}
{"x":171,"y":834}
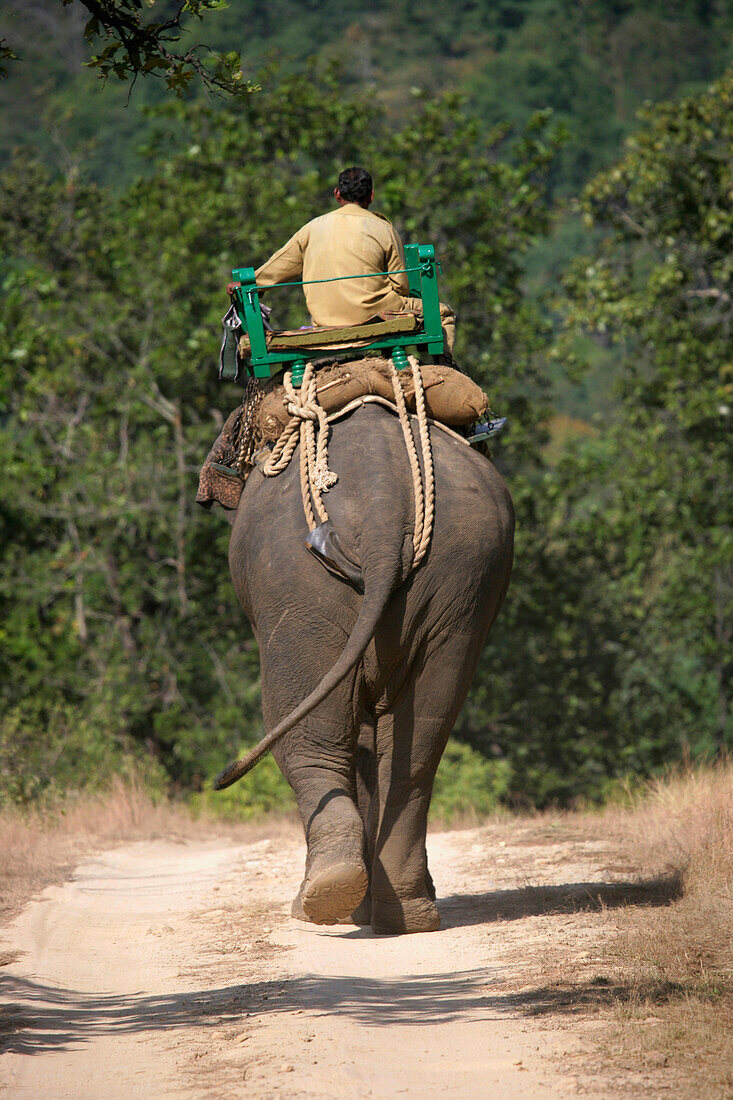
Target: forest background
{"x":586,"y":237}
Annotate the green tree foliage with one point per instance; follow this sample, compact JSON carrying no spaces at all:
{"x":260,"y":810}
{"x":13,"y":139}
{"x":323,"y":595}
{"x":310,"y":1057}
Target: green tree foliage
{"x":654,"y":494}
{"x":134,"y":45}
{"x":661,"y":282}
{"x":613,"y":653}
{"x":468,"y":783}
{"x":593,"y":62}
{"x":120,"y":623}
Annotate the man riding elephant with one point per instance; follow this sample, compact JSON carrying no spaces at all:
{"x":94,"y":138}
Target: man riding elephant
{"x":362,"y":683}
{"x":347,"y":243}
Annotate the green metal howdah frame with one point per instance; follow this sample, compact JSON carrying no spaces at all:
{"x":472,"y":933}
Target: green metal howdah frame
{"x":422,"y":276}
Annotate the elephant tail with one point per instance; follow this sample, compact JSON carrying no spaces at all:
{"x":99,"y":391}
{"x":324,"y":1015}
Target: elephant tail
{"x":375,"y":600}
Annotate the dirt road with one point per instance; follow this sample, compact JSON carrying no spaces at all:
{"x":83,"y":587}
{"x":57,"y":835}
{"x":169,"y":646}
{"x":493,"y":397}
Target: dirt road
{"x":172,"y":969}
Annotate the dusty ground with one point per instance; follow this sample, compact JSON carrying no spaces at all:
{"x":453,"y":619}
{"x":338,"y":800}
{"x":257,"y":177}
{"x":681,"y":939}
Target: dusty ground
{"x":172,"y":969}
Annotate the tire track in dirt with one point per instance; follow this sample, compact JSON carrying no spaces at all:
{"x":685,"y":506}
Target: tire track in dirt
{"x":172,"y":969}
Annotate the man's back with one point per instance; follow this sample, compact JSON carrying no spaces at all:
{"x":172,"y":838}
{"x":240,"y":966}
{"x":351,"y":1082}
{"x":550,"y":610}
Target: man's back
{"x":348,"y":241}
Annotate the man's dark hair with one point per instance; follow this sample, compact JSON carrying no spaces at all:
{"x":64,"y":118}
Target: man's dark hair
{"x":355,"y":185}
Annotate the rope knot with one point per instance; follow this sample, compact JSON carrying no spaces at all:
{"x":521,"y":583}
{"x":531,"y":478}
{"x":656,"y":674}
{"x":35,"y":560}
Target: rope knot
{"x":301,"y":412}
{"x":324,"y":478}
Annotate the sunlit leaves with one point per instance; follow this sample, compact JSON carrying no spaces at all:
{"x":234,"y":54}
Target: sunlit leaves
{"x":135,"y":44}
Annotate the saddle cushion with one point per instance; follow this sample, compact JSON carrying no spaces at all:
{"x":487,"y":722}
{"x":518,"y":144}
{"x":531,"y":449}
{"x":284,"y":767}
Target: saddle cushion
{"x":451,"y":397}
{"x":335,"y":336}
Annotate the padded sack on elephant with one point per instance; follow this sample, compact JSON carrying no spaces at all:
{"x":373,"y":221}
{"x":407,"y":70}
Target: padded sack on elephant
{"x":451,"y":397}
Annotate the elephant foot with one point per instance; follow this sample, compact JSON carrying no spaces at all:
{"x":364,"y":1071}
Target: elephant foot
{"x":333,"y":893}
{"x":362,"y":914}
{"x":296,"y":909}
{"x":400,"y":917}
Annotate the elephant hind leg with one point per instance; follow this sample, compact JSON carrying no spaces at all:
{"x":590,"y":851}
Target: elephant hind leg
{"x":317,"y":759}
{"x":336,"y":875}
{"x":368,"y":803}
{"x":411,"y":738}
{"x":368,"y":807}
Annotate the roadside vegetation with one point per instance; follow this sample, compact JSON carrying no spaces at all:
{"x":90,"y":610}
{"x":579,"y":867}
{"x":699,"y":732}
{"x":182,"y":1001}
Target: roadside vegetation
{"x":643,"y":966}
{"x":42,"y":842}
{"x":672,"y":965}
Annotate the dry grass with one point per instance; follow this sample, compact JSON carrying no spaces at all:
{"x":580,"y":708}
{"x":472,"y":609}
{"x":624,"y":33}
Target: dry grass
{"x":651,"y":970}
{"x":41,"y":846}
{"x":690,"y":833}
{"x":676,"y":961}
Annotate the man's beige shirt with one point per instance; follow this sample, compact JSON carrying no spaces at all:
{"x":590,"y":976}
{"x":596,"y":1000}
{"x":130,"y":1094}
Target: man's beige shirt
{"x":346,"y":241}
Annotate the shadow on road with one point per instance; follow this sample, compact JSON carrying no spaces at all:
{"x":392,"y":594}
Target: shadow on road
{"x":36,"y":1018}
{"x":462,"y":910}
{"x":43,"y":1019}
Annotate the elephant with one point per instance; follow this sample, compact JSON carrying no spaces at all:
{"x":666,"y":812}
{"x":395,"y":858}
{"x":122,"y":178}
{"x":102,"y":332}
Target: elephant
{"x":360,"y":692}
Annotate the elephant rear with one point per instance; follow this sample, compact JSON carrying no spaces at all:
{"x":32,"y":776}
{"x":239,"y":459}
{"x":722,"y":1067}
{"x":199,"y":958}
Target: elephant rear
{"x":388,"y":671}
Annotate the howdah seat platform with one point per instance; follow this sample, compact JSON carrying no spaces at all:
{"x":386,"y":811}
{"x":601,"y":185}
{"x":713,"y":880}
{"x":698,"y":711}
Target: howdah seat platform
{"x":266,"y":353}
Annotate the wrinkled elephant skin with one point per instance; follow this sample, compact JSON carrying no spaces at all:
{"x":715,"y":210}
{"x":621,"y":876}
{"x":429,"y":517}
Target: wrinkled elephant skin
{"x":362,"y":763}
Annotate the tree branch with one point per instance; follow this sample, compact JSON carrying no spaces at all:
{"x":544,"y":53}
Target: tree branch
{"x":172,"y":413}
{"x":711,"y":292}
{"x":81,"y":622}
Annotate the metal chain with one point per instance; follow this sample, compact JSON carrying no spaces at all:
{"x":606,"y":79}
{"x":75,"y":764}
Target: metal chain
{"x":253,"y":394}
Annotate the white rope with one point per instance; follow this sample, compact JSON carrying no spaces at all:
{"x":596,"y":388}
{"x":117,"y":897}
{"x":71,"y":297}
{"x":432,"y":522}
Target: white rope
{"x":423,"y":484}
{"x":305,"y":413}
{"x":308,"y":425}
